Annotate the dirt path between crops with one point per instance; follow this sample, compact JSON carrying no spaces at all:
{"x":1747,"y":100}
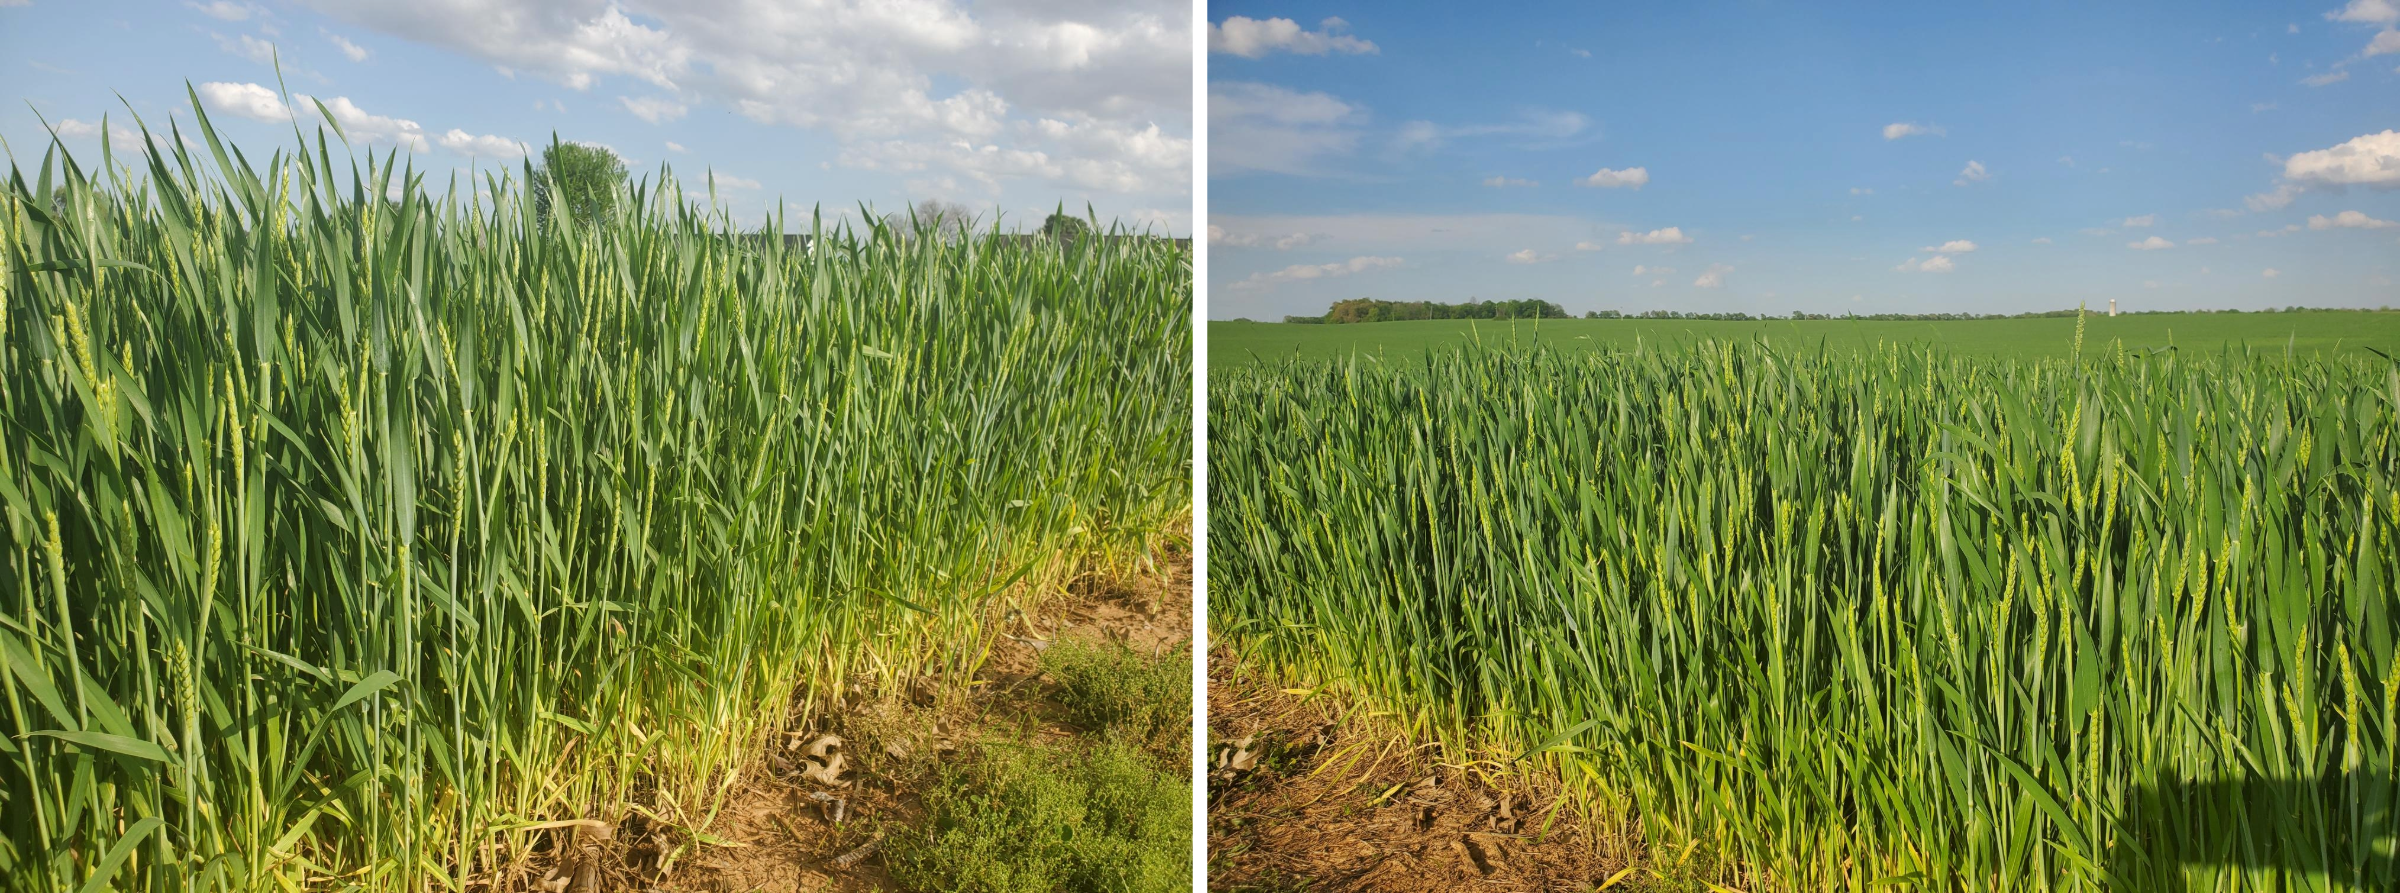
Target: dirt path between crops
{"x":783,"y":831}
{"x":1309,"y":794}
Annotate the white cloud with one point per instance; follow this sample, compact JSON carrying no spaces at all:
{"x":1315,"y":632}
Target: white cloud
{"x":652,"y":109}
{"x":1544,"y":129}
{"x":1590,"y":246}
{"x":2203,"y":240}
{"x":1897,"y":130}
{"x":2041,"y":240}
{"x":1972,"y":173}
{"x":250,"y":101}
{"x":1935,"y":264}
{"x":1714,"y":278}
{"x":2386,"y":41}
{"x":361,"y":127}
{"x":2371,"y":160}
{"x":1635,"y":177}
{"x":1217,"y":235}
{"x":224,"y":10}
{"x":1305,"y":272}
{"x":1530,"y":256}
{"x":481,"y":146}
{"x":1672,"y":235}
{"x":1502,"y":182}
{"x":1640,"y":270}
{"x":2348,"y":220}
{"x":354,"y":51}
{"x":1861,"y":190}
{"x":1262,"y":127}
{"x":2256,"y":107}
{"x":1252,"y":38}
{"x":2153,"y":243}
{"x":2370,"y":12}
{"x":932,"y":89}
{"x":732,"y":182}
{"x":2275,"y":199}
{"x":2144,"y":220}
{"x":2331,"y":77}
{"x":676,"y":147}
{"x":2149,"y":283}
{"x":247,"y":47}
{"x":2068,"y":160}
{"x":2270,"y":272}
{"x":2293,"y":28}
{"x":1954,"y":246}
{"x":1581,"y":53}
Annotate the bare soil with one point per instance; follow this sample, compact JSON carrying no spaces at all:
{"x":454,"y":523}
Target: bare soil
{"x":1307,"y":793}
{"x":778,"y":831}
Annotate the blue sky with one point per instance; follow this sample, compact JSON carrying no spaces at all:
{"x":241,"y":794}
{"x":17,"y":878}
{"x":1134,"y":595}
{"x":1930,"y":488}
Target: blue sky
{"x":1772,"y":157}
{"x":1008,"y":106}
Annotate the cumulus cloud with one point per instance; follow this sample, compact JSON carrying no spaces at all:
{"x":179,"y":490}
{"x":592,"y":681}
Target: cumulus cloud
{"x":1672,"y":235}
{"x":2203,"y":240}
{"x":1640,"y":270}
{"x":2348,"y":220}
{"x":2144,"y":220}
{"x":1861,"y":190}
{"x":1897,"y":130}
{"x":2366,"y":12}
{"x":1713,"y":278}
{"x":251,"y":101}
{"x":1306,"y":272}
{"x":1590,"y":246}
{"x":481,"y":145}
{"x":2386,"y":41}
{"x":2372,"y":161}
{"x":1972,"y":173}
{"x":1253,"y":38}
{"x":2153,"y":243}
{"x":2330,"y":77}
{"x":1502,"y":182}
{"x":1934,"y":264}
{"x":676,"y":147}
{"x":1605,"y":178}
{"x":362,"y":127}
{"x":1530,"y":256}
{"x":1954,"y":246}
{"x":934,"y":89}
{"x":655,"y":110}
{"x":2270,"y":272}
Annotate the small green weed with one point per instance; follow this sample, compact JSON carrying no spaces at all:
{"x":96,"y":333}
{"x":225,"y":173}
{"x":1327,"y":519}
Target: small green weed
{"x":1112,"y":687}
{"x":1026,"y":817}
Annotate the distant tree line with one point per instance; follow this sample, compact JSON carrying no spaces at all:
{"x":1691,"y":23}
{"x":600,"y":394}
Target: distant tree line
{"x":1372,"y":310}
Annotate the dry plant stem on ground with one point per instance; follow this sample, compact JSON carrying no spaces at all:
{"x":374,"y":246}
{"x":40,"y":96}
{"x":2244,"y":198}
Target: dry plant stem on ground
{"x":1309,"y":791}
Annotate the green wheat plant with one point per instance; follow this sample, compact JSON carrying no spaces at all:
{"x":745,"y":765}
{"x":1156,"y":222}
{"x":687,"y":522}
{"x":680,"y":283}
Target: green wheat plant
{"x":354,"y":531}
{"x":1892,"y":620}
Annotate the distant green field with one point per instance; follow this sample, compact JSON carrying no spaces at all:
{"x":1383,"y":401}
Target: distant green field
{"x":1238,"y":343}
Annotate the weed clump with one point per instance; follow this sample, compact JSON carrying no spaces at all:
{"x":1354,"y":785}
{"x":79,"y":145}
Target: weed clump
{"x":1112,"y":687}
{"x":1022,"y":816}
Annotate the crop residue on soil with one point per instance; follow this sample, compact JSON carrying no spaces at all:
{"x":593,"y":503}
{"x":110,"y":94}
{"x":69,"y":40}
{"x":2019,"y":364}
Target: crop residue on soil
{"x":1307,"y":796}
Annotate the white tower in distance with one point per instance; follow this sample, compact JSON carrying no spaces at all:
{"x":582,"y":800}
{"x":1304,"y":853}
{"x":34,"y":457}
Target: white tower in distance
{"x":2112,"y":306}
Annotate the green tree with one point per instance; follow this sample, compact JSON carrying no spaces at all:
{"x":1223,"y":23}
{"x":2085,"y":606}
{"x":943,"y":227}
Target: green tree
{"x":1065,"y":226}
{"x":587,"y":178}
